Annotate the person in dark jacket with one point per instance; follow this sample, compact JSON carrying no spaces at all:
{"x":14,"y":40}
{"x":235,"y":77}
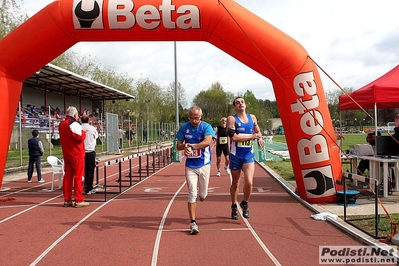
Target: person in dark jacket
{"x":36,"y":151}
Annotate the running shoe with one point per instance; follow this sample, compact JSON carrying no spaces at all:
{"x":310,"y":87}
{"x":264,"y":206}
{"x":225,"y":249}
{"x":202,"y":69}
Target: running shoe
{"x":234,"y":213}
{"x":201,"y":199}
{"x":227,"y":170}
{"x":218,"y":174}
{"x":194,"y":228}
{"x":245,"y":211}
{"x":93,"y":191}
{"x":68,"y":203}
{"x":29,"y":181}
{"x":81,"y":204}
{"x":41,"y":180}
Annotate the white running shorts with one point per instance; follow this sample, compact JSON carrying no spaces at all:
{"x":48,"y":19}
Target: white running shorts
{"x":197,"y":182}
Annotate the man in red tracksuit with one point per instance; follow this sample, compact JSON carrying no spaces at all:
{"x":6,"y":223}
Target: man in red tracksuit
{"x":72,"y":138}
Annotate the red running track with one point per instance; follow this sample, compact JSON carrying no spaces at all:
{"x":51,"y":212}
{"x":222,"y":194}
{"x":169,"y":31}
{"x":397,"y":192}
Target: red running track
{"x":148,"y":225}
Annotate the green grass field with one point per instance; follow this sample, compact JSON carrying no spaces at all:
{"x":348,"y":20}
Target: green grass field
{"x":284,"y":167}
{"x":349,"y":139}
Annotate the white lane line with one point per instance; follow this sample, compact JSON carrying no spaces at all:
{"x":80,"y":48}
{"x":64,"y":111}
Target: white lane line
{"x":159,"y":234}
{"x":260,"y":242}
{"x":28,"y":209}
{"x":32,"y":207}
{"x":42,"y":203}
{"x":255,"y":235}
{"x":219,"y":229}
{"x":41,"y":256}
{"x":235,"y":229}
{"x":24,"y":189}
{"x":43,"y":184}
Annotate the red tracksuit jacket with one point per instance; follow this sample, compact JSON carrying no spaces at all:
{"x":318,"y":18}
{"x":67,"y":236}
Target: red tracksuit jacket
{"x":72,"y":139}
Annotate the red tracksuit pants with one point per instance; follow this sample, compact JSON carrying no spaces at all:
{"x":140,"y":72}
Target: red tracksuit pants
{"x":73,"y":178}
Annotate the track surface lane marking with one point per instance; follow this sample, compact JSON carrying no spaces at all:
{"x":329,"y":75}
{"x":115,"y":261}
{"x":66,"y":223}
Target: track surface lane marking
{"x":160,"y":228}
{"x":28,"y":209}
{"x":46,"y":201}
{"x":260,"y":242}
{"x":209,"y":229}
{"x":255,"y":235}
{"x":41,"y":256}
{"x":249,"y":227}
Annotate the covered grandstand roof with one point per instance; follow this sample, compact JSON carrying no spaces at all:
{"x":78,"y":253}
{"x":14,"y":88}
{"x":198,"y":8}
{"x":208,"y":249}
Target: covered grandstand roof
{"x":58,"y":80}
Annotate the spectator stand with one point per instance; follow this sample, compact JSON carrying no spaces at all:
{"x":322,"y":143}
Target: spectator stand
{"x":45,"y":94}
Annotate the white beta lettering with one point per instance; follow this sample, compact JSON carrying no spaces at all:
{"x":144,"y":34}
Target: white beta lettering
{"x":119,"y":14}
{"x":313,"y":150}
{"x":304,"y":82}
{"x":300,"y":106}
{"x":312,"y":122}
{"x":148,"y":17}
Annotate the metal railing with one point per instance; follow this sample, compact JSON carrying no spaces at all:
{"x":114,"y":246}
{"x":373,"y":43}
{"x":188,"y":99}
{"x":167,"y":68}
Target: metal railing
{"x":145,"y":133}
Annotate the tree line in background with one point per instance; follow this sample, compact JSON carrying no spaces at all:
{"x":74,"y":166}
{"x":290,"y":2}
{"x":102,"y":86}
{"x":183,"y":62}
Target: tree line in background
{"x":10,"y":16}
{"x":155,"y":103}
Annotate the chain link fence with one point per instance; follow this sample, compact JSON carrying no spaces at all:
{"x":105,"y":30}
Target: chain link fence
{"x":134,"y":134}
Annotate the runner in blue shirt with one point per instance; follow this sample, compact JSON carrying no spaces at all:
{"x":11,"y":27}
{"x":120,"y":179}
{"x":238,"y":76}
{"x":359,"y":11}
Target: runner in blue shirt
{"x":195,"y":138}
{"x":243,"y":129}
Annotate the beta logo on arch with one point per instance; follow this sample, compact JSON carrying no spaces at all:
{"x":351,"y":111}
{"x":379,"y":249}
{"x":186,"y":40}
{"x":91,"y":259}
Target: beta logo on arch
{"x":122,"y":14}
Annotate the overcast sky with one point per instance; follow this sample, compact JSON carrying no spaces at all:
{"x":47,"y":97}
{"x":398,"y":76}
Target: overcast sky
{"x":354,"y":41}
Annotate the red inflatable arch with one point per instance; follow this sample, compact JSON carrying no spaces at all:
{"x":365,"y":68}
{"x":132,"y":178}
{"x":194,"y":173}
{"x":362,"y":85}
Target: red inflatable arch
{"x":223,"y":23}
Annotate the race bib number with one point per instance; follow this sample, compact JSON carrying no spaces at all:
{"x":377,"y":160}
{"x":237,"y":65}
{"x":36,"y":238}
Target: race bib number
{"x":245,"y":144}
{"x":195,"y":154}
{"x":223,"y":140}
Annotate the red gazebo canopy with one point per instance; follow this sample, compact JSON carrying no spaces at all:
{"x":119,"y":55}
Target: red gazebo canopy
{"x":381,"y":93}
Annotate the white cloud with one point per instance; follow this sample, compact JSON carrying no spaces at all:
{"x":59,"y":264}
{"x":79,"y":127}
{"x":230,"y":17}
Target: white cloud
{"x":354,"y":41}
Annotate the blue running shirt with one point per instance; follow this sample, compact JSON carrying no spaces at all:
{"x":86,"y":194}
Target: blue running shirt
{"x":243,"y":149}
{"x":194,"y":135}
